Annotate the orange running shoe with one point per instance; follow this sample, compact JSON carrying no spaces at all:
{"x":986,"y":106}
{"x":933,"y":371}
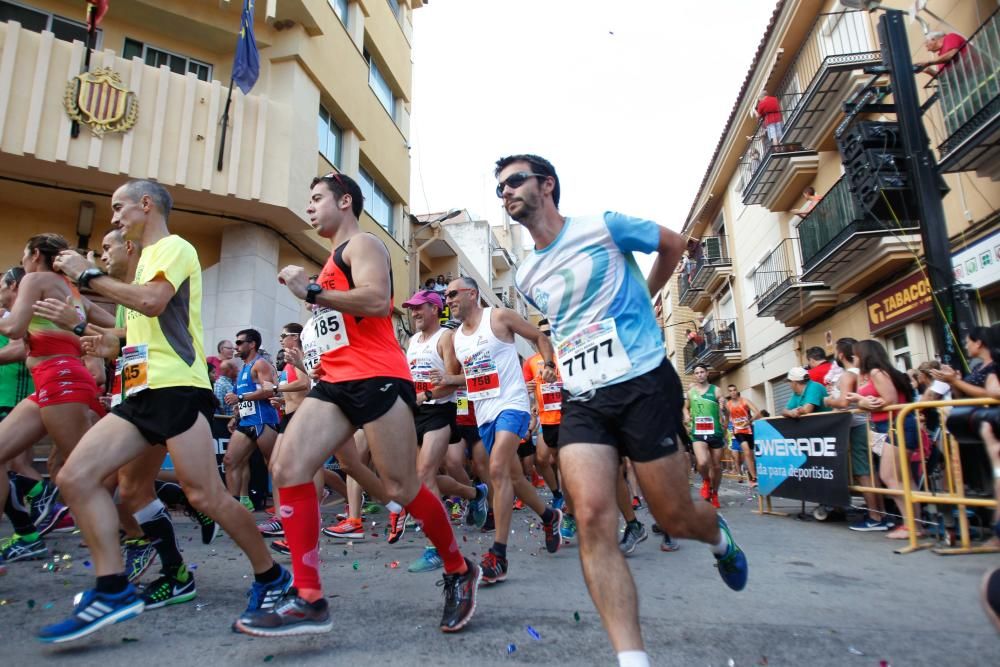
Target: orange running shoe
{"x":350,"y":529}
{"x":706,"y":489}
{"x":714,"y":500}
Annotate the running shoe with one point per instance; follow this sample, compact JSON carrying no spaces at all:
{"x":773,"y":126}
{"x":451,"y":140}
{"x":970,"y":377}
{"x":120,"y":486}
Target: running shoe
{"x":636,"y":503}
{"x":490,"y":525}
{"x":668,"y":544}
{"x":558,"y":503}
{"x":370,"y":508}
{"x":479,"y":508}
{"x":271,"y":528}
{"x":714,"y":500}
{"x":568,"y":530}
{"x":67,"y":524}
{"x":429,"y":560}
{"x":246,"y":502}
{"x":263,"y":597}
{"x":630,"y":540}
{"x":456,"y":511}
{"x":869,"y":525}
{"x":43,"y":502}
{"x":397,"y":526}
{"x":138,"y":555}
{"x":494,"y":568}
{"x":348,"y":529}
{"x":553,"y":536}
{"x":460,"y":597}
{"x":536,"y":480}
{"x":209,"y":528}
{"x":518,"y":504}
{"x":94,"y":611}
{"x":169,"y":589}
{"x":16,"y":548}
{"x":281,"y":547}
{"x":706,"y":489}
{"x":50,"y":522}
{"x":733,"y":566}
{"x":656,"y":529}
{"x":291,"y":615}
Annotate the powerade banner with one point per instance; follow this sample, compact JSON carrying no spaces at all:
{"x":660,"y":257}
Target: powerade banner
{"x":805,"y":458}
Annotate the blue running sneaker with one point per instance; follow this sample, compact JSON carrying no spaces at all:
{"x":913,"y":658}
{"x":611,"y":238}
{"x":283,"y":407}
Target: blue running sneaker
{"x":568,"y":530}
{"x":733,"y":567}
{"x":263,"y":597}
{"x":94,"y":611}
{"x":480,"y":506}
{"x":428,"y":561}
{"x":558,"y":503}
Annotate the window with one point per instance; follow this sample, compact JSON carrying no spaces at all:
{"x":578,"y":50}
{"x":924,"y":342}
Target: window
{"x":378,"y":205}
{"x":899,"y":344}
{"x":394,"y":7}
{"x":155,"y":57}
{"x":380,"y":86}
{"x":37,"y":21}
{"x":339,"y":8}
{"x":329,"y":136}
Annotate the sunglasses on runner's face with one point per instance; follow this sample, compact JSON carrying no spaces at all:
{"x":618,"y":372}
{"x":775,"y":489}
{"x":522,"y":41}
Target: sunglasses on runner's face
{"x":283,"y":335}
{"x":516,"y":180}
{"x":454,"y":293}
{"x":240,"y":342}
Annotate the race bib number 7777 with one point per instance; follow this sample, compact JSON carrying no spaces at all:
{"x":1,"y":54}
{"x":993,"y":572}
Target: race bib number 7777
{"x":591,"y":357}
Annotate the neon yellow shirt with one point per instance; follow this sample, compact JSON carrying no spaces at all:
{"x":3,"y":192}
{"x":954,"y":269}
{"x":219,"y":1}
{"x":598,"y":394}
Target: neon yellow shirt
{"x":176,"y":351}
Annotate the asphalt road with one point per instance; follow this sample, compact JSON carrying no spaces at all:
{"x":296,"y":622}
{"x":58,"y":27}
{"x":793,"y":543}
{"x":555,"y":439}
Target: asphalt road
{"x":818,"y":595}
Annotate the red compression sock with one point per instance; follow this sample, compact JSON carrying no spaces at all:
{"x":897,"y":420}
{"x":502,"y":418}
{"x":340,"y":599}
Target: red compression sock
{"x":427,"y":509}
{"x":299,"y":512}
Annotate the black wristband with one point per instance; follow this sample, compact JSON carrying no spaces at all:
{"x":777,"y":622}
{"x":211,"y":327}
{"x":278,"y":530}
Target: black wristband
{"x":88,"y":275}
{"x":550,"y":364}
{"x":428,"y":395}
{"x":80,"y":328}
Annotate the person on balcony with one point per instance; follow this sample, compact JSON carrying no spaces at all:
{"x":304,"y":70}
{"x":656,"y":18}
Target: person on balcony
{"x":769,"y":112}
{"x":946,"y":46}
{"x":809,"y":194}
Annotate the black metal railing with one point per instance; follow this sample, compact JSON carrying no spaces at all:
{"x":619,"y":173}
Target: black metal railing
{"x":969,"y":84}
{"x":775,"y":272}
{"x":831,"y":216}
{"x":713,"y":252}
{"x":713,"y":336}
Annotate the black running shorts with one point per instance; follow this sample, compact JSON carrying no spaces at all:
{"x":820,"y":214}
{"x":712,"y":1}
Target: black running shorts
{"x":433,"y":416}
{"x":640,"y":417}
{"x":364,"y":401}
{"x":161,"y":414}
{"x":550,"y":434}
{"x":526,"y":449}
{"x":286,"y":419}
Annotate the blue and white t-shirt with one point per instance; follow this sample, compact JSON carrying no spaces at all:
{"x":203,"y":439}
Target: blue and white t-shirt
{"x":588,"y":274}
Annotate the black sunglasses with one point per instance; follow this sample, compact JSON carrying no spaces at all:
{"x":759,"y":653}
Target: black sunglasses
{"x":240,"y":342}
{"x":454,"y":293}
{"x":516,"y":180}
{"x":284,"y":335}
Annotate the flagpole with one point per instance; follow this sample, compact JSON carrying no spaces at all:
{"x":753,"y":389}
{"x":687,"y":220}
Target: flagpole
{"x":225,"y":125}
{"x":74,"y":129}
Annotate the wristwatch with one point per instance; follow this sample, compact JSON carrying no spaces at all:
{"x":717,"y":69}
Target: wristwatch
{"x":239,"y":397}
{"x":550,"y":364}
{"x":313,"y":291}
{"x":428,"y":395}
{"x":84,"y":279}
{"x":80,"y":328}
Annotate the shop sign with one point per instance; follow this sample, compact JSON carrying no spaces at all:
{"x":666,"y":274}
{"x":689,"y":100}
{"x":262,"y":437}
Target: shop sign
{"x":904,"y":301}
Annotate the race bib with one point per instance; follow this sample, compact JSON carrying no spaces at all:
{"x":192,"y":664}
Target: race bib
{"x":421,"y":381}
{"x":247,"y":408}
{"x":461,"y":403}
{"x":741,"y":422}
{"x":592,"y":357}
{"x":482,"y":380}
{"x":704,"y":426}
{"x":325,"y":331}
{"x":551,"y":397}
{"x":130,"y":373}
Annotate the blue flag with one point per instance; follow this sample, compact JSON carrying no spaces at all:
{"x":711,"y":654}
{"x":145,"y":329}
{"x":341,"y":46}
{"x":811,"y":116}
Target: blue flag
{"x":246,"y":66}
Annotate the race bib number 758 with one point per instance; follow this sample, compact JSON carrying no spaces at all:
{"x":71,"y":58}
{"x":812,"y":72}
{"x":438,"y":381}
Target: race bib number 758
{"x":591,"y":357}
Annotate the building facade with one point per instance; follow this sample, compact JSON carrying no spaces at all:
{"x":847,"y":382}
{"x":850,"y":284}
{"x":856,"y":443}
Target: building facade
{"x":333,"y":95}
{"x":781,"y":270}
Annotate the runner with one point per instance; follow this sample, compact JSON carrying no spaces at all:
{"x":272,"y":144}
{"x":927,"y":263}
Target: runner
{"x":475,"y":453}
{"x":168,"y":401}
{"x":365,"y":383}
{"x":65,"y":392}
{"x":256,"y":423}
{"x":621,"y":395}
{"x":702,"y":412}
{"x":431,"y":354}
{"x":484,"y":345}
{"x":741,"y":414}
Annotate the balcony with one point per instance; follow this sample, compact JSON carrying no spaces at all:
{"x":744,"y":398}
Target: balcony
{"x":847,"y":249}
{"x":826,"y":70}
{"x":781,"y":292}
{"x":715,"y":344}
{"x":772,"y":175}
{"x":968,"y":92}
{"x":711,"y":267}
{"x":688,"y":293}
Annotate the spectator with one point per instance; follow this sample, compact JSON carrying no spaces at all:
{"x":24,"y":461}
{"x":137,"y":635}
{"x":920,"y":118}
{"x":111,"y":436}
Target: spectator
{"x":440,"y":286}
{"x":823,"y":370}
{"x":225,"y":350}
{"x":809,"y":194}
{"x":429,"y":284}
{"x":945,"y":47}
{"x":861,"y":469}
{"x":807,"y":396}
{"x":212,"y":372}
{"x":764,"y":414}
{"x":225,"y":384}
{"x":978,"y":346}
{"x":885,"y":385}
{"x":769,"y":112}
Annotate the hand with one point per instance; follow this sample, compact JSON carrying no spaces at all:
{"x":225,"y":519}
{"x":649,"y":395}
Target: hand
{"x":436,"y":377}
{"x":268,"y":386}
{"x":295,"y":279}
{"x":63,"y":313}
{"x":71,"y":264}
{"x":945,"y":374}
{"x":870,"y":402}
{"x":105,"y":401}
{"x":420,"y":398}
{"x":231,"y":399}
{"x":293,"y":355}
{"x":316,"y":373}
{"x":231,"y":425}
{"x":549,"y":375}
{"x":104,"y":344}
{"x":277,"y":402}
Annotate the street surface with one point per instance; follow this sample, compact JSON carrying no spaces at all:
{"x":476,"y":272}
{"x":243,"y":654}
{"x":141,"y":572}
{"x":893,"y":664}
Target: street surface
{"x":819,"y":594}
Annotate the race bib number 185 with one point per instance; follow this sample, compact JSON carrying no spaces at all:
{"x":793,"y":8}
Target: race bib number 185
{"x":324,"y":332}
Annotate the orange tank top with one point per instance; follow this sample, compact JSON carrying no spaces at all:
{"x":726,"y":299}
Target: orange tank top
{"x":371,"y":349}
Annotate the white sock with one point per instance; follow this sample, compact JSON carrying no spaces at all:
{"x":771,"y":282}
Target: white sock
{"x":722,"y":547}
{"x":633,"y":659}
{"x":393,"y":506}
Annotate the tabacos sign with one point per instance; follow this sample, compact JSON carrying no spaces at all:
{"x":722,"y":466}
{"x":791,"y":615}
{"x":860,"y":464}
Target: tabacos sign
{"x":902,"y":302}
